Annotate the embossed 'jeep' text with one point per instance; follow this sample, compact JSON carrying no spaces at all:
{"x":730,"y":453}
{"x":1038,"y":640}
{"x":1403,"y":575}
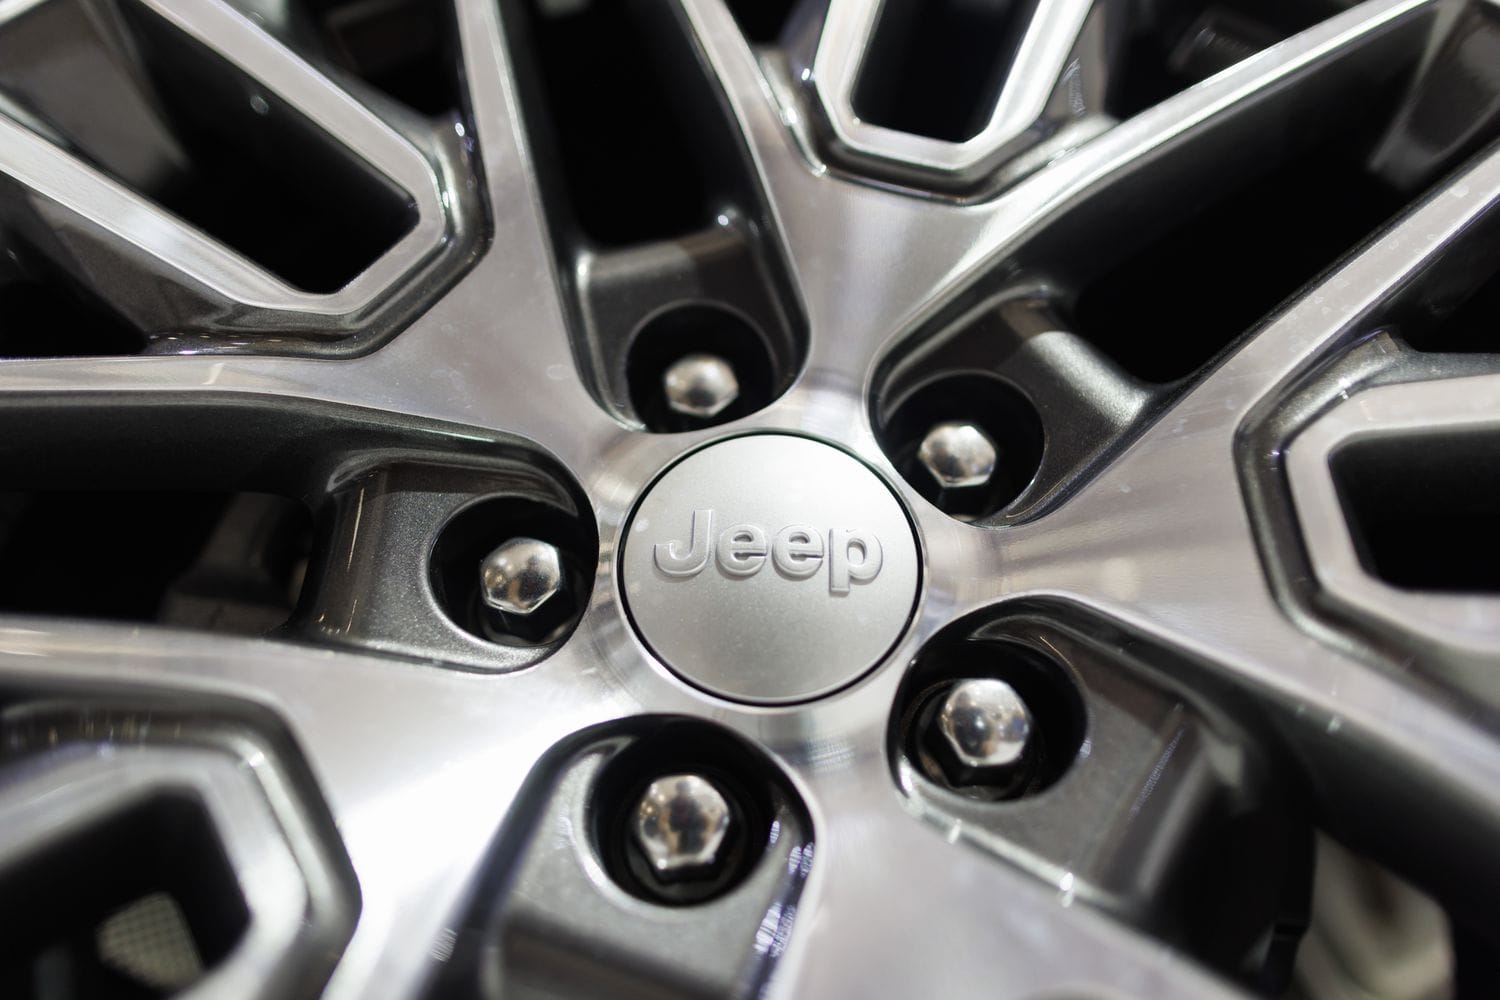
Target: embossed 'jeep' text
{"x":797,"y":551}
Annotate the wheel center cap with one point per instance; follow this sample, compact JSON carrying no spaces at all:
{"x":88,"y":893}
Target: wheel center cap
{"x":769,"y":568}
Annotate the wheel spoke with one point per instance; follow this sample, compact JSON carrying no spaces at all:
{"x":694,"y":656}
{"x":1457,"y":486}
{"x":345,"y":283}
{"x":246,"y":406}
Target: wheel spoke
{"x":1163,"y":541}
{"x":521,"y":383}
{"x":398,"y":751}
{"x":120,"y":240}
{"x":887,"y":884}
{"x":921,"y":254}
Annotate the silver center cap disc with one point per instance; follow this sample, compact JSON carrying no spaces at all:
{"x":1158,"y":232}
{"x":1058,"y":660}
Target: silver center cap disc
{"x":770,"y":568}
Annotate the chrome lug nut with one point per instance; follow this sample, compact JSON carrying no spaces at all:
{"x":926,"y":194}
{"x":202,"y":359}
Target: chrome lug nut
{"x":523,"y":591}
{"x":681,"y":824}
{"x":958,"y":454}
{"x":520,"y":576}
{"x":985,"y":723}
{"x":700,"y":385}
{"x":980,"y":735}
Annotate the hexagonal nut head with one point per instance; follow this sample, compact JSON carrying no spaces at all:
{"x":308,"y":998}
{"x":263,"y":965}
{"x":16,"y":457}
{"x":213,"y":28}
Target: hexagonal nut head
{"x":959,"y":455}
{"x":681,"y":825}
{"x":700,"y":385}
{"x":980,"y":734}
{"x":523,"y":590}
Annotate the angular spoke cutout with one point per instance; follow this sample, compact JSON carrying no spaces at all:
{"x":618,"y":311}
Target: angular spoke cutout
{"x":137,"y":904}
{"x":231,"y":563}
{"x":1167,"y":309}
{"x":762,"y":20}
{"x":403,"y":47}
{"x":44,"y":314}
{"x":1425,"y":509}
{"x":936,"y":67}
{"x":610,"y":85}
{"x":143,"y":102}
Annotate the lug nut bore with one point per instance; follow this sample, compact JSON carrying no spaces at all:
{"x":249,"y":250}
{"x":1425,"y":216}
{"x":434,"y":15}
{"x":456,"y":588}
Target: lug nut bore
{"x":682,"y":811}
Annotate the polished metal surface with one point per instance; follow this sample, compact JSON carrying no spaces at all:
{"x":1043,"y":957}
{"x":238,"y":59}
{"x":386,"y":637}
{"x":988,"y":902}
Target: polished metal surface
{"x":769,"y":568}
{"x":700,"y":385}
{"x":958,"y":455}
{"x":681,"y":823}
{"x":708,"y":600}
{"x":521,"y":575}
{"x":985,"y":723}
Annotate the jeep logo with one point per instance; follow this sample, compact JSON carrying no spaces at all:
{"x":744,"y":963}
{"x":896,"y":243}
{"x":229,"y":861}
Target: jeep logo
{"x":798,"y":551}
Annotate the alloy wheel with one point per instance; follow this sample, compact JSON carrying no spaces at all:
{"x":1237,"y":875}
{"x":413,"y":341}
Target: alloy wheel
{"x":835,"y":498}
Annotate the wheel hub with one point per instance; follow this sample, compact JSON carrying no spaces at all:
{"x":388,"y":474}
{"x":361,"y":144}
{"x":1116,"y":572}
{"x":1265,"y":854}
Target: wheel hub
{"x":769,"y":568}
